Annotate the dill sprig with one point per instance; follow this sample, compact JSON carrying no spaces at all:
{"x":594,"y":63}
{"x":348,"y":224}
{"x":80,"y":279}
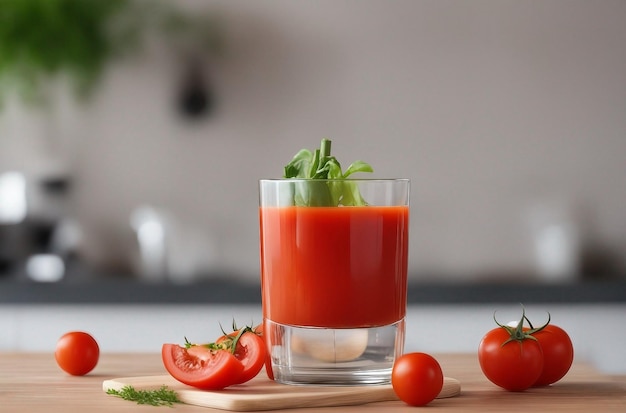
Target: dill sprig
{"x":160,"y":397}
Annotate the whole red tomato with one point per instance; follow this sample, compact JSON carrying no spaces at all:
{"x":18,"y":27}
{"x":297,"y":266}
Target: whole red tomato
{"x":512,"y":363}
{"x":77,"y":353}
{"x":558,"y":354}
{"x":417,"y":378}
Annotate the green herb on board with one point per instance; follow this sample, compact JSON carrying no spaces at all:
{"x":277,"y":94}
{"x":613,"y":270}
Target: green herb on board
{"x":326,"y":186}
{"x":160,"y":397}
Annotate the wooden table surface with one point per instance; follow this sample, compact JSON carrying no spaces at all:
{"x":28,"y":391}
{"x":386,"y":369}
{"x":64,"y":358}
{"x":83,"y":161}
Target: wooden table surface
{"x":34,"y":383}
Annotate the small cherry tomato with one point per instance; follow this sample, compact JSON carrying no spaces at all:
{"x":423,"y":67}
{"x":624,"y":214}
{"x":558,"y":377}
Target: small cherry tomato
{"x":77,"y":353}
{"x":417,"y":378}
{"x":558,"y":354}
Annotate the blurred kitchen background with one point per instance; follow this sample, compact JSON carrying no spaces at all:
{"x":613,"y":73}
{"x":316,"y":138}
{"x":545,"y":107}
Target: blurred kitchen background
{"x":509,"y":117}
{"x":130,"y":175}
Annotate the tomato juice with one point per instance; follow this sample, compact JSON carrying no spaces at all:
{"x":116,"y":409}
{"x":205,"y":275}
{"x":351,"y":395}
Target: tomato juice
{"x":334,"y":267}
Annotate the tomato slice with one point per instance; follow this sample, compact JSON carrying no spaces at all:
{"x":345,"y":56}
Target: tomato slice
{"x":268,"y":354}
{"x":250,"y":351}
{"x":199,"y":367}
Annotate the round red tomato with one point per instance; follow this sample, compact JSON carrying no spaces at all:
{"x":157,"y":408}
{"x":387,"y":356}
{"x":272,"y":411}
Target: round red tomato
{"x":513,"y":364}
{"x":200,"y":367}
{"x":77,"y":353}
{"x":417,"y":378}
{"x":558,"y":354}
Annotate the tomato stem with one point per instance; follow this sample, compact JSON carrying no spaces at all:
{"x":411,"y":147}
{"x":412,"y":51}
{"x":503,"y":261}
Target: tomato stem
{"x":227,"y":341}
{"x":518,"y":333}
{"x":237,"y":337}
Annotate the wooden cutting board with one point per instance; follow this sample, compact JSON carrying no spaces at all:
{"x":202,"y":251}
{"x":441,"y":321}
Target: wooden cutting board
{"x":264,"y":394}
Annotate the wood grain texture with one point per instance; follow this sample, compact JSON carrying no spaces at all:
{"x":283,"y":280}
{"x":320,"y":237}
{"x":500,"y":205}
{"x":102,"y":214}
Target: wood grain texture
{"x":33,"y":383}
{"x":262,"y":394}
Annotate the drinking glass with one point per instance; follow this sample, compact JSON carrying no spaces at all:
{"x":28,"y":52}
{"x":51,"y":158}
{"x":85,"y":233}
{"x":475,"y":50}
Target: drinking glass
{"x":334,"y":278}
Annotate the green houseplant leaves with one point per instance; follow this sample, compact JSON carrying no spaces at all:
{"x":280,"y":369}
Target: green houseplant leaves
{"x":41,"y":39}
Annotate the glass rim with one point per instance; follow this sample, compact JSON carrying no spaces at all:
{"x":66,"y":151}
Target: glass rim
{"x":335,"y":180}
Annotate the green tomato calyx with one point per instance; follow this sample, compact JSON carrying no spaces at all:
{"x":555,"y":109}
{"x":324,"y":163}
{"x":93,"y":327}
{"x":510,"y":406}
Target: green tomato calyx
{"x":519,"y":333}
{"x":228,"y":341}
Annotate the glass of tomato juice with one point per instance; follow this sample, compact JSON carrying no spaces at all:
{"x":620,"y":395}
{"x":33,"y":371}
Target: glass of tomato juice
{"x":334,"y":280}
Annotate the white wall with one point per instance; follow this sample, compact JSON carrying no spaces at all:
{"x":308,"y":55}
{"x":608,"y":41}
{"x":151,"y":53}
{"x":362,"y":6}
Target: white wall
{"x":487,"y":106}
{"x":432,"y":328}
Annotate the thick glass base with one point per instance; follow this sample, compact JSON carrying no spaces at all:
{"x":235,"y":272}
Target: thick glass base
{"x":326,"y":356}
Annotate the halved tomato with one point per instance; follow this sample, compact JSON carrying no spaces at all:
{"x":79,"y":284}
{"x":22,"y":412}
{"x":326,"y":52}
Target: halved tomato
{"x":200,"y":367}
{"x":248,"y":347}
{"x":251,"y":352}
